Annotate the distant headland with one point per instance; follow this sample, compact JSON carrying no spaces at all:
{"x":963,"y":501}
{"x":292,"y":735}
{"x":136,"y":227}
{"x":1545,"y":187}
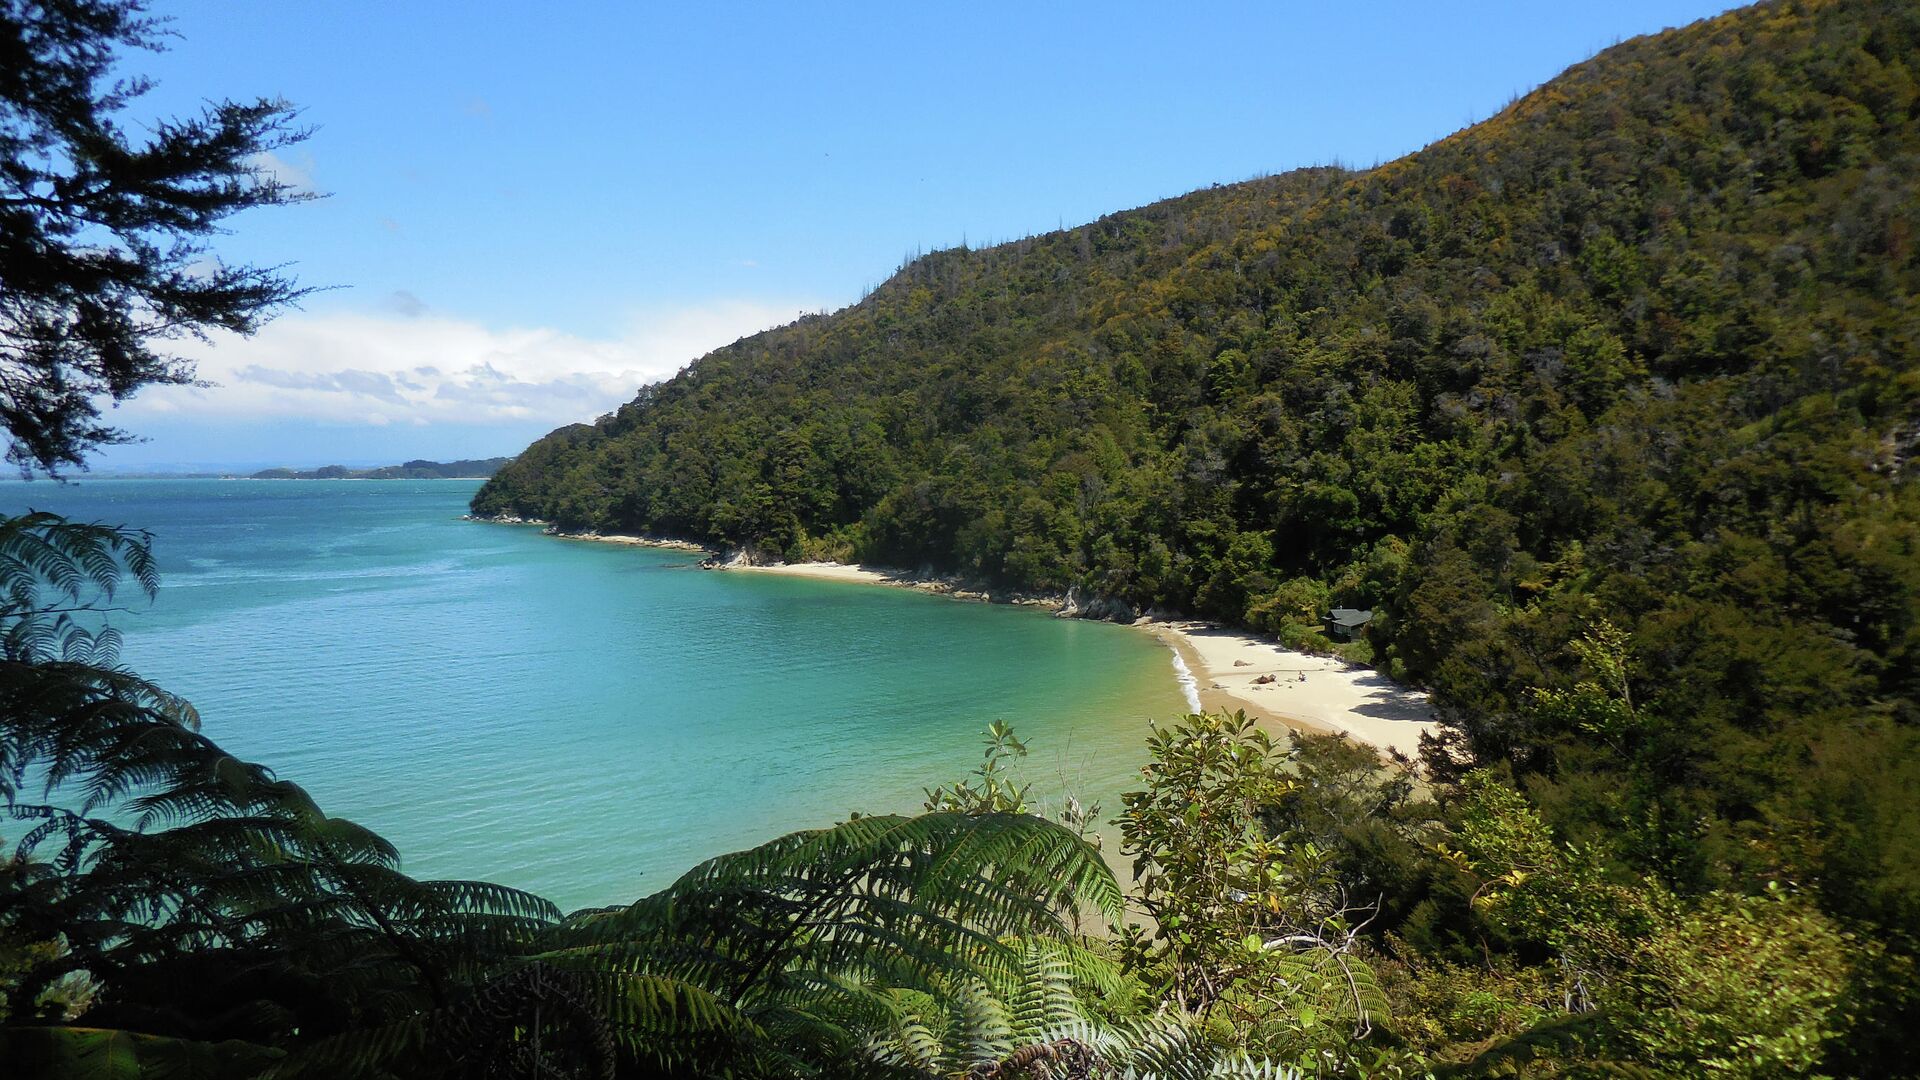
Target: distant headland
{"x":471,"y":469}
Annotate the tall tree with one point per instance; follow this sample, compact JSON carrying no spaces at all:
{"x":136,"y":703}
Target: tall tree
{"x":104,"y":252}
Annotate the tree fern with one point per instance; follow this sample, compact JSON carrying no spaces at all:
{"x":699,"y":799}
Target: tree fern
{"x":211,"y":903}
{"x":1064,"y":1009}
{"x":203,"y":896}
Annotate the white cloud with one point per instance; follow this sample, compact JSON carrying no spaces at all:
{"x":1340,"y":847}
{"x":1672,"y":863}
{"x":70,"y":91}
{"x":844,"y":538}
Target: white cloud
{"x":296,"y":174}
{"x":424,"y":368}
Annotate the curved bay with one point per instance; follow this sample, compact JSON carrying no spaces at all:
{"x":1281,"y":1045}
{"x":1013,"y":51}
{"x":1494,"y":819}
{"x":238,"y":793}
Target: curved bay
{"x":588,"y":720}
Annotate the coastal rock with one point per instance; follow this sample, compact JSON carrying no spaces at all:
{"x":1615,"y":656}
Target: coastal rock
{"x":1107,"y":608}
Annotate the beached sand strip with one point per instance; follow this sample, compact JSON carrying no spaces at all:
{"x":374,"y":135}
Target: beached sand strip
{"x":1301,"y":691}
{"x":859,"y":574}
{"x":827,"y":571}
{"x":633,"y":541}
{"x":550,"y":529}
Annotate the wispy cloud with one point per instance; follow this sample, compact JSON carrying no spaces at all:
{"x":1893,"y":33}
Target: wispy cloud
{"x":296,"y":173}
{"x":411,"y":366}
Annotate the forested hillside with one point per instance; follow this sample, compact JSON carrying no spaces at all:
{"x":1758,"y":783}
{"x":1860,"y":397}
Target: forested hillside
{"x":1606,"y":405}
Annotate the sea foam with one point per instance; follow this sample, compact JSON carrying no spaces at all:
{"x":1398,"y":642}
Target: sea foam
{"x":1189,"y":685}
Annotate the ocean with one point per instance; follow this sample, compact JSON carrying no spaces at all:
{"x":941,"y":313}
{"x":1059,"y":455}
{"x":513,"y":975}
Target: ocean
{"x":584,"y":720}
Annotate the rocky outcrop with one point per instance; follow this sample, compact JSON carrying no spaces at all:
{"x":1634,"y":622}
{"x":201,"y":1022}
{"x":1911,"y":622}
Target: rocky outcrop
{"x":1106,"y":608}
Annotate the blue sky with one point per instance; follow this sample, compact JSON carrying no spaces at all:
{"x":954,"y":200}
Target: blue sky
{"x":533,"y":209}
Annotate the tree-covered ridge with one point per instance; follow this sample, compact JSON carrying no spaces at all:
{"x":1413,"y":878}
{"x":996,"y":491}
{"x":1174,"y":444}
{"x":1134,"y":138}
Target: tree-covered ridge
{"x":1235,"y":402}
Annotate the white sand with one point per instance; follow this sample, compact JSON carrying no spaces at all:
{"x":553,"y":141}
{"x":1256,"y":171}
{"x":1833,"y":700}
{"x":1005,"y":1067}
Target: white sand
{"x":1335,"y":696}
{"x":631,"y":541}
{"x":829,"y":571}
{"x":859,"y":574}
{"x":593,"y":537}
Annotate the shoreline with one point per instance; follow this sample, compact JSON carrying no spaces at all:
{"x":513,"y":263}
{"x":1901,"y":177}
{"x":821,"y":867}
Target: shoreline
{"x":861,"y":574}
{"x":547,"y":528}
{"x":1218,"y":668}
{"x":1224,"y":669}
{"x":1286,"y":689}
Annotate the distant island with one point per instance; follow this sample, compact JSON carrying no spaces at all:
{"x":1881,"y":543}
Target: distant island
{"x":472,"y":469}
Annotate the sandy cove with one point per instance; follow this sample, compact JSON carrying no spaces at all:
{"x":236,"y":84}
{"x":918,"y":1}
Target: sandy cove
{"x":1229,"y":669}
{"x":1227,"y":666}
{"x":1300,"y":691}
{"x":632,"y":541}
{"x":857,"y":574}
{"x":1233,"y":670}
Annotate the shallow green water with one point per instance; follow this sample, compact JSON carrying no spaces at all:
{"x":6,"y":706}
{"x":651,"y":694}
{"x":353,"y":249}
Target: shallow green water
{"x":587,"y":720}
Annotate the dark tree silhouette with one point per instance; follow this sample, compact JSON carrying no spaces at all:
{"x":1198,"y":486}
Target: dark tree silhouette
{"x":104,"y":252}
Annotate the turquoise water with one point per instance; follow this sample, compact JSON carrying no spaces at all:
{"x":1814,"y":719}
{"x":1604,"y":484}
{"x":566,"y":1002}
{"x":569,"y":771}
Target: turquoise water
{"x":587,"y":720}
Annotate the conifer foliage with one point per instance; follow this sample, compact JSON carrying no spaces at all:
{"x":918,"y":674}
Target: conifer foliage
{"x":104,"y":251}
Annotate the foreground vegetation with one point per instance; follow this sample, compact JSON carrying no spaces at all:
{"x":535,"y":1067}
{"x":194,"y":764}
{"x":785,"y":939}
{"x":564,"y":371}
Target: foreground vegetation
{"x":1605,"y":406}
{"x":174,"y":911}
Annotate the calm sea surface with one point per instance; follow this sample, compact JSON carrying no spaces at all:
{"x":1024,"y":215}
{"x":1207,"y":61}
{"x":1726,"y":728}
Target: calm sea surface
{"x":586,"y":720}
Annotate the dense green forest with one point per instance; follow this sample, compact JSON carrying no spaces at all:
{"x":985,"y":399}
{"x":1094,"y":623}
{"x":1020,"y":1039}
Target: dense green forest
{"x":419,"y":469}
{"x":1605,"y":406}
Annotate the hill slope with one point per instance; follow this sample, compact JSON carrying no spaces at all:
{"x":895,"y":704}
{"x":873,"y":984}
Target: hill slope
{"x":1640,"y":348}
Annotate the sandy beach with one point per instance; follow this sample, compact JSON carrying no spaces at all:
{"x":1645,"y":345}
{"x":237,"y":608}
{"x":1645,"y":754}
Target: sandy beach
{"x":829,"y":571}
{"x":1284,"y":688}
{"x":549,"y":529}
{"x":858,"y":574}
{"x":1234,"y":670}
{"x":632,"y":541}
